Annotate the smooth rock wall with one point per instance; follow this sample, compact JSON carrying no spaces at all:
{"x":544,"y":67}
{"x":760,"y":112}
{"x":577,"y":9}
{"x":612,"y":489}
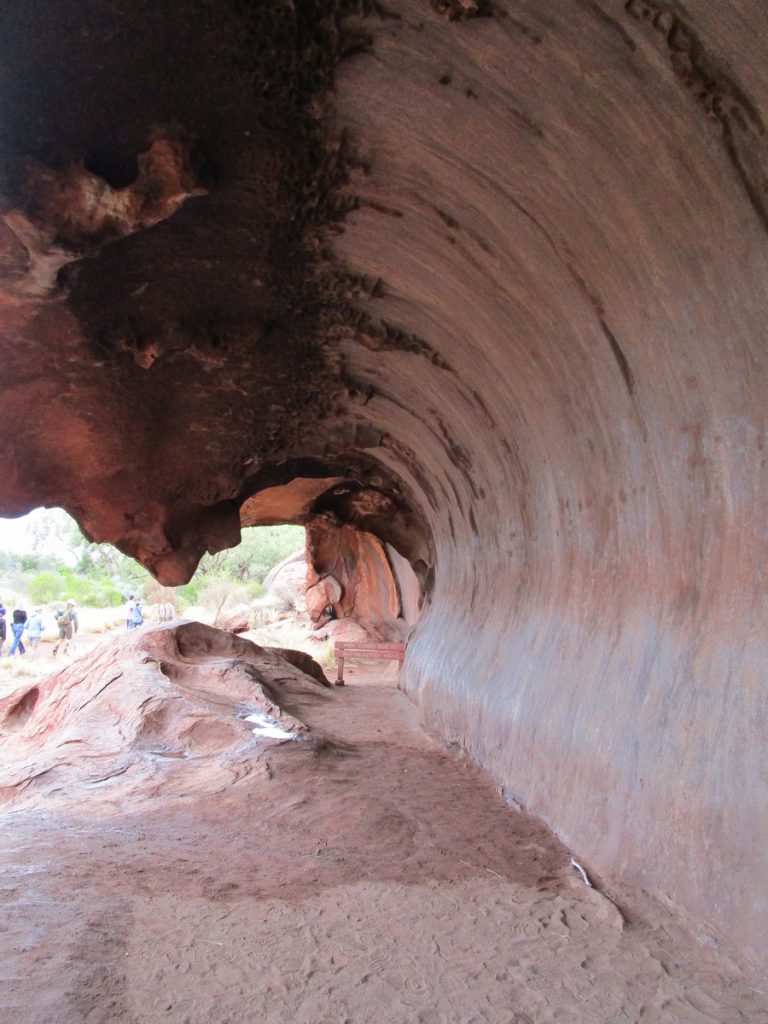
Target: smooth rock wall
{"x":553,"y":211}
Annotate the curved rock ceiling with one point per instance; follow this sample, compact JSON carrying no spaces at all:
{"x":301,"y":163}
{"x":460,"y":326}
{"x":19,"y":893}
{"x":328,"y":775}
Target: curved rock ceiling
{"x":495,"y":271}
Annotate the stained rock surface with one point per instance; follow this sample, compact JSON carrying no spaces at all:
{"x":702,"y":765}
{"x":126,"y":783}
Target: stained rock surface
{"x":497,"y":275}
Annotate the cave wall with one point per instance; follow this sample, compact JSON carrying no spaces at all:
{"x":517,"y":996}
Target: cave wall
{"x":558,"y":214}
{"x":507,"y":281}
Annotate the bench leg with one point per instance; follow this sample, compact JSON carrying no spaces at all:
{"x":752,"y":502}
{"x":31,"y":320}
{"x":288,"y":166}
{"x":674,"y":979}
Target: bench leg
{"x":340,"y":671}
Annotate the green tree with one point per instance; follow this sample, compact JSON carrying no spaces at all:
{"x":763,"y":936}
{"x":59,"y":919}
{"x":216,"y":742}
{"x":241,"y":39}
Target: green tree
{"x":114,"y":574}
{"x":261,"y":548}
{"x":53,"y":529}
{"x":62,"y":563}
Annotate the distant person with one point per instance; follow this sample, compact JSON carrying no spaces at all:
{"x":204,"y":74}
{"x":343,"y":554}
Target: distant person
{"x":3,"y":630}
{"x":17,"y":628}
{"x":130,"y":606}
{"x":166,"y":611}
{"x":35,"y":629}
{"x":137,"y":619}
{"x":68,"y":626}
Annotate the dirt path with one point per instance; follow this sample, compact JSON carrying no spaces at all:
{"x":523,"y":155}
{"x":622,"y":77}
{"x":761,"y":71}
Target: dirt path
{"x":377,"y":879}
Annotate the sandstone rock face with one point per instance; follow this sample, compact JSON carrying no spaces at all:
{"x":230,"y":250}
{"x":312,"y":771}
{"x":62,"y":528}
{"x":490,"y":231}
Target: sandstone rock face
{"x":71,"y":213}
{"x":503,"y":291}
{"x":322,"y":596}
{"x":286,"y":583}
{"x":352,"y":578}
{"x":342,"y":629}
{"x":122,"y":716}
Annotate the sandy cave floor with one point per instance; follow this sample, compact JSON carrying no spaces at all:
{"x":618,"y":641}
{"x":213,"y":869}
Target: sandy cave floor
{"x":379,"y":880}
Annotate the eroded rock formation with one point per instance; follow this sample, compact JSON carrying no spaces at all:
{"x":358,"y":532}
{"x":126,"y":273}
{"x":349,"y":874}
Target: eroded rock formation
{"x":133,"y":708}
{"x":495,"y":299}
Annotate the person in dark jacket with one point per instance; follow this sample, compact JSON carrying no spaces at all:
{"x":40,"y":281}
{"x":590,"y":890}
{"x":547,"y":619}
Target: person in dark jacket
{"x":3,"y":630}
{"x":17,"y":628}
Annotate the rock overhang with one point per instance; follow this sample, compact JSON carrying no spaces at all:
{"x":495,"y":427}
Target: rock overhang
{"x":510,"y":276}
{"x":164,"y":295}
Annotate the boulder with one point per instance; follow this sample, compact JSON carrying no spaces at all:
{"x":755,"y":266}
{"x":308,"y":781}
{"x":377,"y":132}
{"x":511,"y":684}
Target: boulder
{"x":288,"y":583}
{"x":303,"y":662}
{"x":136,"y":709}
{"x":342,"y":629}
{"x":326,"y":593}
{"x":352,"y":576}
{"x":296,"y":557}
{"x":237,"y":620}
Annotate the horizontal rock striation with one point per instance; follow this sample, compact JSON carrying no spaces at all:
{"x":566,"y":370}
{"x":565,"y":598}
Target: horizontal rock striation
{"x":562,"y":201}
{"x":497,"y":301}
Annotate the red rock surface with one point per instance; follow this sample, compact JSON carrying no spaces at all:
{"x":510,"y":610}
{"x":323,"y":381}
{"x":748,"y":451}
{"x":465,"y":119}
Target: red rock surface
{"x":506,"y":282}
{"x":238,"y":621}
{"x":352,"y":576}
{"x":341,"y":629}
{"x":136,"y":705}
{"x":368,"y":876}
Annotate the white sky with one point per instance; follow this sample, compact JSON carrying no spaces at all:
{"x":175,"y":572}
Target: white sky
{"x":13,"y":534}
{"x":14,"y":537}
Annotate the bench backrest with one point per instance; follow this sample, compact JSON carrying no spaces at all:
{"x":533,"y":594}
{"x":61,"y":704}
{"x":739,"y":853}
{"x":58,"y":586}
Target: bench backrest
{"x":366,"y":649}
{"x":370,"y":648}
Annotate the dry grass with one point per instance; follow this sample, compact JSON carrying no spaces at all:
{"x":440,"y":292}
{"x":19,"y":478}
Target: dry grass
{"x":21,"y":671}
{"x":294,"y":631}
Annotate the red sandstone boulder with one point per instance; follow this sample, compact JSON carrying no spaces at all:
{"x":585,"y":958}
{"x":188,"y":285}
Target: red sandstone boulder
{"x":287,"y":582}
{"x":303,"y":662}
{"x":238,"y":620}
{"x":164,"y":706}
{"x":342,"y":629}
{"x":326,"y":593}
{"x":352,"y":575}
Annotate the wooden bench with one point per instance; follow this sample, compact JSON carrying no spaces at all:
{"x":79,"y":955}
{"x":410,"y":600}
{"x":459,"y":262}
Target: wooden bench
{"x":365,"y":649}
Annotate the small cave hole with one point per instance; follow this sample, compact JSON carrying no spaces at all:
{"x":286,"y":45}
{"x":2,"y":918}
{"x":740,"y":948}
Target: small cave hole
{"x":118,"y":170}
{"x":22,"y":710}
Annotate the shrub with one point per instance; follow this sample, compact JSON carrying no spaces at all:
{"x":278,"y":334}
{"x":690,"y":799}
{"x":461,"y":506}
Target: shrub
{"x":189,"y":594}
{"x":105,"y":595}
{"x":218,"y":595}
{"x":45,"y":587}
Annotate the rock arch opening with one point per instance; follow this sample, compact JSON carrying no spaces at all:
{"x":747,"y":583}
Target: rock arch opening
{"x":358,"y":539}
